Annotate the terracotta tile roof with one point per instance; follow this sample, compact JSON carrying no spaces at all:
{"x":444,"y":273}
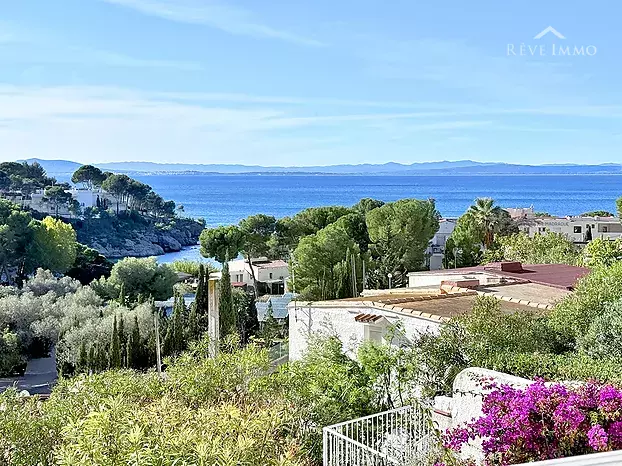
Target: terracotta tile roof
{"x":433,"y":304}
{"x":271,"y":265}
{"x":555,"y":275}
{"x":366,"y":318}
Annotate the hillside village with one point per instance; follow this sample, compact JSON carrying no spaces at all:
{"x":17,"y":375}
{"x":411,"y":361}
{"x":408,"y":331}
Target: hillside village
{"x":111,"y":213}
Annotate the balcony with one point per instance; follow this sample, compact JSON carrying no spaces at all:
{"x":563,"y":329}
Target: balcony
{"x":400,"y":437}
{"x":406,"y":437}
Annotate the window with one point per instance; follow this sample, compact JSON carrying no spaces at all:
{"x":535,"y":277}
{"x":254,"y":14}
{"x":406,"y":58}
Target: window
{"x":577,"y":229}
{"x":270,"y":276}
{"x":605,"y":230}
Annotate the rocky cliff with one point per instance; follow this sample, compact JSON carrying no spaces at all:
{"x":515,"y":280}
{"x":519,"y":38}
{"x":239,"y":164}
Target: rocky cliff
{"x":136,"y":237}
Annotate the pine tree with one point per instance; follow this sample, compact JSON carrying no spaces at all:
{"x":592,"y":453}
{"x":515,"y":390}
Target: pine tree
{"x":115,"y":352}
{"x":83,"y":361}
{"x":135,"y":347}
{"x":227,"y":315}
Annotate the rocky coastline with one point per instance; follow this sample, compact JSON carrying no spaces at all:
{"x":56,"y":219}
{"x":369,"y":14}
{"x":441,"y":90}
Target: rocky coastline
{"x":132,"y":239}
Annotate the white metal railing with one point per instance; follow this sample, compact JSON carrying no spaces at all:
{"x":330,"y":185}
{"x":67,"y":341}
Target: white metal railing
{"x":399,"y":437}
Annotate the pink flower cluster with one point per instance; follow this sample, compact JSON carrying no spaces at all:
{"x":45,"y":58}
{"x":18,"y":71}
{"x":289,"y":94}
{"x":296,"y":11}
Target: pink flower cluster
{"x":544,"y":422}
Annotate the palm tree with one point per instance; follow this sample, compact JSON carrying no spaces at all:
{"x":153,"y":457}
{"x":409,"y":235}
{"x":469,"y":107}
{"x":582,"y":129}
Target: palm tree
{"x":487,"y":217}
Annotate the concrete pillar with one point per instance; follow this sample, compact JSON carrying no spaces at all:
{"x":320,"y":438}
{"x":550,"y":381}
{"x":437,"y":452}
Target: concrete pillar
{"x":213,"y":315}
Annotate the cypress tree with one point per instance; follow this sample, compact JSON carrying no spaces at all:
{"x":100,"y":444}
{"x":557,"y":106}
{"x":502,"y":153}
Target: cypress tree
{"x":270,"y":328}
{"x":168,"y":346}
{"x":102,"y":359}
{"x":246,"y":311}
{"x":227,"y":315}
{"x":115,"y":351}
{"x":201,"y":302}
{"x":174,"y":339}
{"x":180,"y":322}
{"x":251,"y":320}
{"x":83,"y":361}
{"x":193,"y":325}
{"x":121,"y":300}
{"x":123,"y":342}
{"x":135,"y":346}
{"x":92,"y":361}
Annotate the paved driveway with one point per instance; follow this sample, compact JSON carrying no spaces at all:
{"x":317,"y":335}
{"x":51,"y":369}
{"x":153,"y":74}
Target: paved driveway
{"x":39,"y":377}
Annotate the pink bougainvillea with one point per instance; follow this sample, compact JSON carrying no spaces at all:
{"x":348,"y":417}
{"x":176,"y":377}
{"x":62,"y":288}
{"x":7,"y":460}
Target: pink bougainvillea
{"x":542,"y":422}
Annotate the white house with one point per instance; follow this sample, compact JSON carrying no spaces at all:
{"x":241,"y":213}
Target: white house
{"x":578,"y":229}
{"x":432,"y":298}
{"x":84,"y":197}
{"x":271,"y":275}
{"x":436,"y":248}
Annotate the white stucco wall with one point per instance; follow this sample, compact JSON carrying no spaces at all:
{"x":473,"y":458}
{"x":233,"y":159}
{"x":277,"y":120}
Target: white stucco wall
{"x":277,"y":273}
{"x":566,"y":227}
{"x":306,"y":319}
{"x":240,"y":272}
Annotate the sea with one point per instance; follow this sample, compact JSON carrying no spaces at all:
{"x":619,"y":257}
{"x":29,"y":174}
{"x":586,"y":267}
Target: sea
{"x":225,"y":199}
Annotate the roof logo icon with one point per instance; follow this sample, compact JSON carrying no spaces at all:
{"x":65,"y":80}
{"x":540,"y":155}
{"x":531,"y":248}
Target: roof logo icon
{"x":552,"y":30}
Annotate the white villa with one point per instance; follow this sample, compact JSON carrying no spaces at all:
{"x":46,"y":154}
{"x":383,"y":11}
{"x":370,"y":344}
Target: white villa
{"x":271,"y":275}
{"x":84,"y":197}
{"x":578,"y":229}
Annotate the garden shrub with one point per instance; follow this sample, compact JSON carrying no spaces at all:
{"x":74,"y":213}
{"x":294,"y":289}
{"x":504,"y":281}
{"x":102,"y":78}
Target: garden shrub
{"x":540,"y":422}
{"x":604,"y":335}
{"x":573,"y":316}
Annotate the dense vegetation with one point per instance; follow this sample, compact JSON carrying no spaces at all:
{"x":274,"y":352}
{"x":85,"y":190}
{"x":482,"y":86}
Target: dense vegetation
{"x":231,"y":410}
{"x":23,"y":177}
{"x":83,"y":321}
{"x":329,"y":246}
{"x":27,"y":244}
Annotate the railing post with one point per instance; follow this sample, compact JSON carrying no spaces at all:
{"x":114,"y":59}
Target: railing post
{"x":325,"y":446}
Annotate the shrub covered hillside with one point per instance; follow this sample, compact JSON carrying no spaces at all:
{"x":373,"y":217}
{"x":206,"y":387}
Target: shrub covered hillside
{"x":225,"y":411}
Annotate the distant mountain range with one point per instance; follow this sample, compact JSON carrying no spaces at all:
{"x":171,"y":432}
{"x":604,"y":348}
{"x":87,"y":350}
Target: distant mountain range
{"x":62,"y":168}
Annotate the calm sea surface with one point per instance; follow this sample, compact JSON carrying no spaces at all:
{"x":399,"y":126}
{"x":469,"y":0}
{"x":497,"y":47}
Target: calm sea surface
{"x":225,"y":199}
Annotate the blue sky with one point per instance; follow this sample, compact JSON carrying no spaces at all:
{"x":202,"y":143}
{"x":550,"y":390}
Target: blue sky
{"x":310,"y":82}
